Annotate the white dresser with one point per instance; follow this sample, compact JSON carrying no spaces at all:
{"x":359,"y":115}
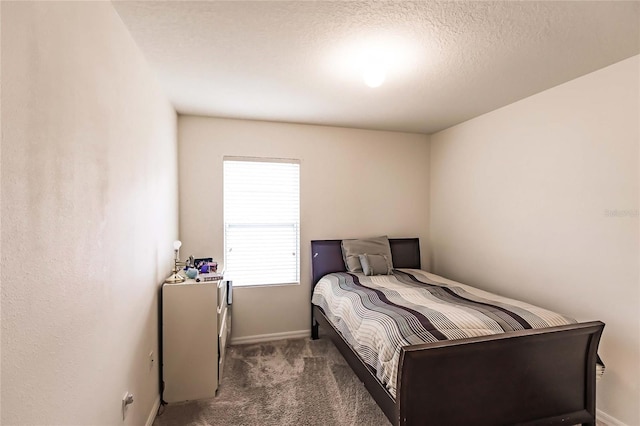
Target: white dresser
{"x":196,"y":323}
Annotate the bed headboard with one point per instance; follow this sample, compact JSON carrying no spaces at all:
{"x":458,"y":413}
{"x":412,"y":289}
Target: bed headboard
{"x":326,"y":256}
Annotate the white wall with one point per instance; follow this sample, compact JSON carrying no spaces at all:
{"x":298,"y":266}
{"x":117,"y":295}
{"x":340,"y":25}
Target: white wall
{"x":539,"y":200}
{"x":89,"y":211}
{"x":354,"y":183}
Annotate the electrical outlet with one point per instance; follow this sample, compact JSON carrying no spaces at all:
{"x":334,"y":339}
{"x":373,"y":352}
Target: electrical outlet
{"x":152,"y":360}
{"x":127,"y":400}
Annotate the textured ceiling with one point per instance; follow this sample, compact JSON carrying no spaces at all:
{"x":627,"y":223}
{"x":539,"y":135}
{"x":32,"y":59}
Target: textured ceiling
{"x":451,"y":61}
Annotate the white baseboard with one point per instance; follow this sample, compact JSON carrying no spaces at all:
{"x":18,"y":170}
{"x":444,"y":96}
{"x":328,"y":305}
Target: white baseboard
{"x":608,"y":420}
{"x":270,"y":337}
{"x":154,"y":411}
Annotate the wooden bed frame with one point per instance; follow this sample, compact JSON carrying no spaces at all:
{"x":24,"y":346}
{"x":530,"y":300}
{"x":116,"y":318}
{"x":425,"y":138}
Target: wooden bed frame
{"x":531,"y":377}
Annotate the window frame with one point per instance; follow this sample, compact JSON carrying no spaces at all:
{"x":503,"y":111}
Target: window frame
{"x":296,"y":224}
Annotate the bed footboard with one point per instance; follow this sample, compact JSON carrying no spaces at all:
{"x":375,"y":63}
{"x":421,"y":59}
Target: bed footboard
{"x":542,"y":376}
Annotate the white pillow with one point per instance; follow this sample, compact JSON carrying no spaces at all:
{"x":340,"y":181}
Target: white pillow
{"x":352,"y":249}
{"x":375,"y":264}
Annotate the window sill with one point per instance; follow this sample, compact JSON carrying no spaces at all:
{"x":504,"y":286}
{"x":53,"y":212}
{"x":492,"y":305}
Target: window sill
{"x":237,"y":286}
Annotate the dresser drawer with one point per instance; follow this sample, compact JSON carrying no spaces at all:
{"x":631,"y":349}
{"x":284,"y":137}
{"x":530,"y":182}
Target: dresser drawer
{"x":222,"y":294}
{"x":222,"y":333}
{"x":223,"y":338}
{"x":222,"y":313}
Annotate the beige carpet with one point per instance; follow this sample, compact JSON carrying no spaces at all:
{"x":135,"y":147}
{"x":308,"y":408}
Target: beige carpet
{"x":288,"y":382}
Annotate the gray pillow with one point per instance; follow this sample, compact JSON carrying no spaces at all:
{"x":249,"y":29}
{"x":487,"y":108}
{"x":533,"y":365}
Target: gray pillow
{"x":352,"y":249}
{"x":375,"y":264}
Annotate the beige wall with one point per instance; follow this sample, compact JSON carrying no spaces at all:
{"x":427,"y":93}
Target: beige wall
{"x":354,"y":183}
{"x":539,"y":201}
{"x":89,"y":211}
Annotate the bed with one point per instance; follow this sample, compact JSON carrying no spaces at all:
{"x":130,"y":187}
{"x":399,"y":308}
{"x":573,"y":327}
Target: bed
{"x":526,"y":376}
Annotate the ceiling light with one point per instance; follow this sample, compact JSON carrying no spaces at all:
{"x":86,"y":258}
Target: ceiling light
{"x":373,"y":77}
{"x":374,"y":59}
{"x":373,"y":62}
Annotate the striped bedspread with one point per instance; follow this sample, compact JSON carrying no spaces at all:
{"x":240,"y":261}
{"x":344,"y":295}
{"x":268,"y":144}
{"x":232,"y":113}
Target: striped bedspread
{"x":378,"y":315}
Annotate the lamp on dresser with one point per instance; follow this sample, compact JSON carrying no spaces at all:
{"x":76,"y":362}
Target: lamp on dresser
{"x":177,"y":264}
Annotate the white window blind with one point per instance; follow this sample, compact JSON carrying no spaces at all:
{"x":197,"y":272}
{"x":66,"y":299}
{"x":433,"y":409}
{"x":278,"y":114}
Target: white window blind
{"x":262,"y":221}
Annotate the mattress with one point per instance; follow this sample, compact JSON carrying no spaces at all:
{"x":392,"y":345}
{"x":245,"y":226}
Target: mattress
{"x":378,"y":315}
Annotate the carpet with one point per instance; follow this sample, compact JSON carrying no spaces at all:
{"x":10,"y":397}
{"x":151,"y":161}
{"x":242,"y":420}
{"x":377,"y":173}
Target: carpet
{"x":288,"y":382}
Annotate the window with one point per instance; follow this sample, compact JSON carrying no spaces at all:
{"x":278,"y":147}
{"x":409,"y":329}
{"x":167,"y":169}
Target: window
{"x":262,"y":221}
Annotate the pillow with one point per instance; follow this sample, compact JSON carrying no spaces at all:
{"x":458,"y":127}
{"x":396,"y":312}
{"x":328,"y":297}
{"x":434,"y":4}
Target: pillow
{"x":375,"y":264}
{"x":352,"y":249}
